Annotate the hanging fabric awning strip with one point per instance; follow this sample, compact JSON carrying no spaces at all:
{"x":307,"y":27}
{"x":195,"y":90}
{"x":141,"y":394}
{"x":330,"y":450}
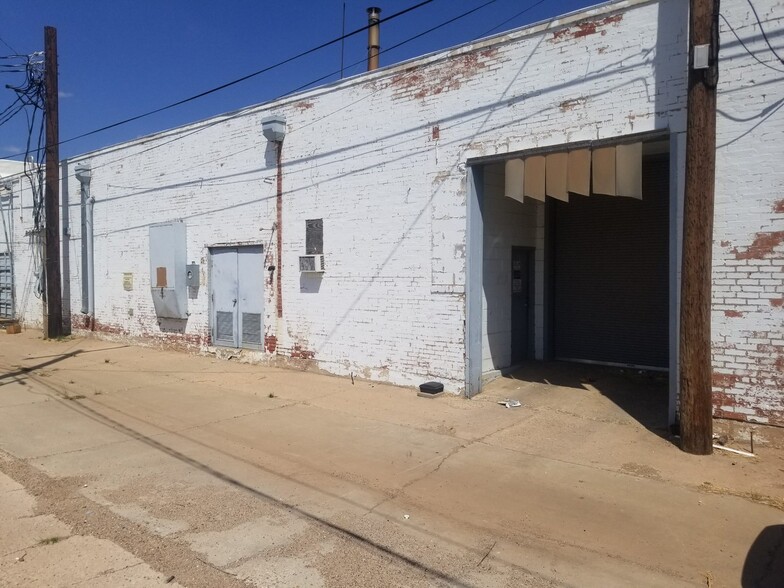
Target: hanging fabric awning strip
{"x":513,"y":179}
{"x":535,"y":177}
{"x":615,"y":170}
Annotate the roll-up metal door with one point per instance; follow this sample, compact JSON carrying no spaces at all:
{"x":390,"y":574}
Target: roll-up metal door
{"x":610,"y":275}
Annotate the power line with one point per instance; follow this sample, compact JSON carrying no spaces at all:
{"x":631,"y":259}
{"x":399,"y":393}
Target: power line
{"x":417,"y":36}
{"x":7,"y":45}
{"x":757,"y":59}
{"x":762,"y":30}
{"x":511,"y":18}
{"x":241,"y":79}
{"x":245,"y":110}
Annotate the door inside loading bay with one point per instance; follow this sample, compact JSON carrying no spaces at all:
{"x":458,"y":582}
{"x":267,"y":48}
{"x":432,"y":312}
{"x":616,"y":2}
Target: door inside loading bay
{"x":237,"y":296}
{"x":522,"y":303}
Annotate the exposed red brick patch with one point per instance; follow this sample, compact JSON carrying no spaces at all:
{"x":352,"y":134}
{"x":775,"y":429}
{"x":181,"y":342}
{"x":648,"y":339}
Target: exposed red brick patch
{"x":270,"y":343}
{"x":724,"y":381}
{"x":726,"y":243}
{"x":723,"y":399}
{"x":298,"y":352}
{"x":777,"y":302}
{"x":443,"y":76}
{"x":436,"y":133}
{"x":407,"y":79}
{"x":764,"y":244}
{"x":733,"y":313}
{"x":304,"y":105}
{"x":586,"y":28}
{"x":168,"y":339}
{"x":778,"y":206}
{"x":571,"y":104}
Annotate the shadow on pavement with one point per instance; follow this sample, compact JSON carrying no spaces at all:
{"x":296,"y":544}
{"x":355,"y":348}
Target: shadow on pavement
{"x":349,"y":534}
{"x":642,"y":394}
{"x":19,"y":371}
{"x":764,"y":565}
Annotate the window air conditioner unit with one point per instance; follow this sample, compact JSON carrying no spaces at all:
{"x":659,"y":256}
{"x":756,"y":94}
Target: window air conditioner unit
{"x":311,"y":263}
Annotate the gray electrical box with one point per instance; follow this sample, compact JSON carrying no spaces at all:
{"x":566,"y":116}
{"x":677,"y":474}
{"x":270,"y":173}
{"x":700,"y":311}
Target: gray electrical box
{"x":193,"y":278}
{"x":193,"y":275}
{"x":168,"y":272}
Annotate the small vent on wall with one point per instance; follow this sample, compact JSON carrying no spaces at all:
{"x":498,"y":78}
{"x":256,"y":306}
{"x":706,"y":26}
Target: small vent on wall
{"x":251,"y":328}
{"x":225,"y":327}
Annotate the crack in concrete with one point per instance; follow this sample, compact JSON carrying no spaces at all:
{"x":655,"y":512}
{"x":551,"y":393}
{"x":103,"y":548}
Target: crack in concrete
{"x":106,"y":573}
{"x":60,"y":497}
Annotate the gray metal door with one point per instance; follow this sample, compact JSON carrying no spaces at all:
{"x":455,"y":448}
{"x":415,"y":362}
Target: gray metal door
{"x":250,"y":290}
{"x":6,"y":260}
{"x":522,"y":303}
{"x":6,"y":286}
{"x":237,"y":296}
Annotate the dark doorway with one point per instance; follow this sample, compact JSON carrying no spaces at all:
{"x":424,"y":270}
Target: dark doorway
{"x":522,"y":303}
{"x":611,"y":281}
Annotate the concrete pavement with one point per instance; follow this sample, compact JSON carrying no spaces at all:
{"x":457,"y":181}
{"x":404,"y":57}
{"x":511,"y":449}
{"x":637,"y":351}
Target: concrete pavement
{"x":221,"y":473}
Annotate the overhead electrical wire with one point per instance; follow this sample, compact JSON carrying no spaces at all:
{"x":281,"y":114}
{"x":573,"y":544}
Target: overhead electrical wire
{"x":246,"y":110}
{"x":417,"y":36}
{"x":513,"y":17}
{"x":749,"y":51}
{"x":762,"y":30}
{"x":241,"y":79}
{"x":7,"y":45}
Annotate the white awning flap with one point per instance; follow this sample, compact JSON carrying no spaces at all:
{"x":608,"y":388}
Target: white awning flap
{"x":513,"y":179}
{"x":534,"y":185}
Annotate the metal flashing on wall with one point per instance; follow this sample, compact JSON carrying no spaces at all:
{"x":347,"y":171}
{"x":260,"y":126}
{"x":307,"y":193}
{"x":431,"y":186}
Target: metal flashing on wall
{"x":168,"y":279}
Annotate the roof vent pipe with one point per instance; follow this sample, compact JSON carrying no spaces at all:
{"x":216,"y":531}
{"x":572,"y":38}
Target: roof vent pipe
{"x":374,"y":37}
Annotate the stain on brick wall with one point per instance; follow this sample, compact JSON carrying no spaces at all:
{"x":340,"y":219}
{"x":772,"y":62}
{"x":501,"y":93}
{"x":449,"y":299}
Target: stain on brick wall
{"x":443,"y":76}
{"x":586,"y":28}
{"x":748,"y":255}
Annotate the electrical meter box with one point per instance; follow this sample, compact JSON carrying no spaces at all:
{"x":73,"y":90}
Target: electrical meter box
{"x":168,"y":272}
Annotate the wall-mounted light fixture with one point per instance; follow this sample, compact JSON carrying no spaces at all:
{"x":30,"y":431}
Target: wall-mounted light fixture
{"x":83,"y":173}
{"x":274,"y":127}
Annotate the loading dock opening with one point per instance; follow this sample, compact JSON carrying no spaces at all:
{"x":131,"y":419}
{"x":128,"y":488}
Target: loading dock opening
{"x":600,"y":286}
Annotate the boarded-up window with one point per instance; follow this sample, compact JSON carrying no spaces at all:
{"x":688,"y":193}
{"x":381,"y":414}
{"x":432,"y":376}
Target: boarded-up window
{"x":314,"y":236}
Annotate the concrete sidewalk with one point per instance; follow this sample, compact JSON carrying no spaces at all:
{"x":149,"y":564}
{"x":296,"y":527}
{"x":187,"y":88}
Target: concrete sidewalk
{"x":220,"y":473}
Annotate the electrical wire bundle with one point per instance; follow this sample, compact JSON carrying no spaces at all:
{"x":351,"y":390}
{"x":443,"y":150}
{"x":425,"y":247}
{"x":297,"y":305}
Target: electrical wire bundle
{"x":30,"y":100}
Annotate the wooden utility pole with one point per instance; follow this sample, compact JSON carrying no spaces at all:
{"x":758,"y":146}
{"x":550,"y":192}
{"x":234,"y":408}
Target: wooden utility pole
{"x":696,"y":416}
{"x":53,"y":326}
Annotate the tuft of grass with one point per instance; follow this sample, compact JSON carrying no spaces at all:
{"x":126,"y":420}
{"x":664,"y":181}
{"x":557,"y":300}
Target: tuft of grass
{"x":51,"y":540}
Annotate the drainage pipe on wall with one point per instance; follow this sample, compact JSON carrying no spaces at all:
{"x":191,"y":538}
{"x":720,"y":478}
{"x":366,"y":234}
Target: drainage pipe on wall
{"x":66,"y":248}
{"x":84,"y":175}
{"x":274,"y":129}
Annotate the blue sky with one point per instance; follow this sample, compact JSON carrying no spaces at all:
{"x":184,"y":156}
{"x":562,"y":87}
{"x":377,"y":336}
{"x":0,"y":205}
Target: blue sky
{"x":120,"y":58}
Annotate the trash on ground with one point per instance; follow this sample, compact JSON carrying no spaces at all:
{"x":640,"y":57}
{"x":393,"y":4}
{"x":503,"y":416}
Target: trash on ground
{"x":430,"y":389}
{"x":405,"y":516}
{"x":510,"y":403}
{"x":738,"y":451}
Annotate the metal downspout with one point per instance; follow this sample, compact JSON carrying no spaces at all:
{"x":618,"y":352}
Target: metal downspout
{"x":279,"y":203}
{"x":84,"y":175}
{"x":90,"y":261}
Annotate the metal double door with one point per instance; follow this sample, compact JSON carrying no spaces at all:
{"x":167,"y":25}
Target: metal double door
{"x":237,"y":296}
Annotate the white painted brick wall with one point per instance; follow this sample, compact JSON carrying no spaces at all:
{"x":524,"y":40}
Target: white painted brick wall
{"x":361,"y":155}
{"x":748,"y":247}
{"x":513,"y":224}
